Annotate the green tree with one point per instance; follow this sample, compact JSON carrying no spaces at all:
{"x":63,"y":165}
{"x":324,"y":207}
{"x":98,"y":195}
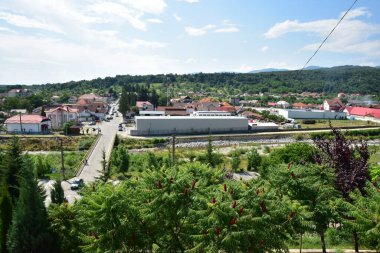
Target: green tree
{"x":313,"y":188}
{"x":12,"y":167}
{"x":210,"y":153}
{"x":57,"y":193}
{"x":5,"y":216}
{"x":65,"y":224}
{"x":29,"y":230}
{"x":235,"y":161}
{"x":254,"y":159}
{"x":124,"y":102}
{"x":366,"y":212}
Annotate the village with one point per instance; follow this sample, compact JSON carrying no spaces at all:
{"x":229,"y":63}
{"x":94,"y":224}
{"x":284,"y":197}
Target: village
{"x":184,"y":115}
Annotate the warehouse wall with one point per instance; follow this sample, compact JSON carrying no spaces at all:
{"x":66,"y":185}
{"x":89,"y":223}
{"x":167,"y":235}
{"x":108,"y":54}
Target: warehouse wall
{"x":188,"y":125}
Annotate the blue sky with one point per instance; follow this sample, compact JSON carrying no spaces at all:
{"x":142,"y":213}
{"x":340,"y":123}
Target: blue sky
{"x":45,"y":41}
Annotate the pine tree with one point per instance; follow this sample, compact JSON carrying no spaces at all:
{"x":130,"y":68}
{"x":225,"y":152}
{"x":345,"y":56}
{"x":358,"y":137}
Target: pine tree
{"x":29,"y":230}
{"x":123,"y":159}
{"x":254,"y":159}
{"x":235,"y":162}
{"x":5,"y":216}
{"x":57,"y":194}
{"x":12,"y":167}
{"x":209,"y":155}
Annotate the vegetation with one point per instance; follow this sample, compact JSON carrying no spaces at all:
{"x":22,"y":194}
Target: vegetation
{"x":302,"y":193}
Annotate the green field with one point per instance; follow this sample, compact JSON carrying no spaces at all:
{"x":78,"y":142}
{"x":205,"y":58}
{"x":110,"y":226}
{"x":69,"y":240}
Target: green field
{"x":336,"y":123}
{"x":52,"y":161}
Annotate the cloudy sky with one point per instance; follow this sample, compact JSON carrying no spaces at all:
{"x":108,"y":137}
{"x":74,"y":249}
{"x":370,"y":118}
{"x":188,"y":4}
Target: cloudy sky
{"x":45,"y":41}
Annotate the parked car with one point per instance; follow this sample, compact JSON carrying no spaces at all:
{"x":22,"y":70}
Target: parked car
{"x":76,"y":184}
{"x":92,"y":123}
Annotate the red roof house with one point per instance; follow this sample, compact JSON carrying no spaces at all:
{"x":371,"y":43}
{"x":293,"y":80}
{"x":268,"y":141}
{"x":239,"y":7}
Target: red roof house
{"x":28,"y":123}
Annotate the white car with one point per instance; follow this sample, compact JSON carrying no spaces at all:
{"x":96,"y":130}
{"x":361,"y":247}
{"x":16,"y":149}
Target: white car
{"x":76,"y":184}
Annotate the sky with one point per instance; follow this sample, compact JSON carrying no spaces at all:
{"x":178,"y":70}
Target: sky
{"x":48,"y":41}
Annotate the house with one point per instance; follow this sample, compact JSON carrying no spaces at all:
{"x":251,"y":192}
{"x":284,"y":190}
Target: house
{"x":173,"y":111}
{"x":207,"y":106}
{"x":299,"y":106}
{"x":235,"y":101}
{"x":88,"y":110}
{"x":230,"y":109}
{"x":18,"y":111}
{"x":333,"y":105}
{"x":186,"y":99}
{"x":62,"y":114}
{"x":54,"y":99}
{"x":28,"y":124}
{"x":252,"y":115}
{"x":144,"y":106}
{"x":18,"y":93}
{"x":272,"y":104}
{"x":341,"y":95}
{"x":72,"y":100}
{"x":91,"y":97}
{"x":363,"y":112}
{"x":282,"y":104}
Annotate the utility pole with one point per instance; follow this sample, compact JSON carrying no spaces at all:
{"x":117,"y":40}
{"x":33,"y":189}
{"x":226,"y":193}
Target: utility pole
{"x":20,"y":123}
{"x":173,"y":149}
{"x":62,"y":159}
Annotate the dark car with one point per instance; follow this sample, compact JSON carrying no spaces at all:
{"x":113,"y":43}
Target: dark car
{"x":76,"y":184}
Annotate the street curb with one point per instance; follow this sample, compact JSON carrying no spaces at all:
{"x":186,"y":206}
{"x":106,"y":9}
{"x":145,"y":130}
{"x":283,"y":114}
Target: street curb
{"x":89,"y":152}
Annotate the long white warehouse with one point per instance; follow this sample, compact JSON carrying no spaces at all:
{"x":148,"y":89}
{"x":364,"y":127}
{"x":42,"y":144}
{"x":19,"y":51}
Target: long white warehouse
{"x":167,"y":125}
{"x":311,"y":114}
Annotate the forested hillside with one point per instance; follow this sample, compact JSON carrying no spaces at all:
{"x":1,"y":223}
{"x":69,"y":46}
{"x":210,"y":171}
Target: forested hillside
{"x":348,"y":79}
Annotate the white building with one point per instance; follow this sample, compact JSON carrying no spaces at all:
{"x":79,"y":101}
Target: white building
{"x":167,"y":125}
{"x":28,"y":124}
{"x":282,"y":104}
{"x":265,"y":126}
{"x":62,"y":114}
{"x":210,"y":113}
{"x":311,"y":114}
{"x":152,"y":113}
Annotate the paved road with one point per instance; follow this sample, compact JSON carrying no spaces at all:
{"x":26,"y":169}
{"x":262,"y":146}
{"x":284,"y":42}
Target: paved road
{"x":93,"y":169}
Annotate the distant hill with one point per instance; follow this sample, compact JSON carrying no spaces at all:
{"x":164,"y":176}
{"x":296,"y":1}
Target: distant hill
{"x":348,"y":79}
{"x":267,"y":70}
{"x":281,"y":70}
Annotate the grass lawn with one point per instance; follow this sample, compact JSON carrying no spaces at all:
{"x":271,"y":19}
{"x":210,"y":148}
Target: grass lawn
{"x":336,"y":123}
{"x":72,"y":160}
{"x":50,"y":143}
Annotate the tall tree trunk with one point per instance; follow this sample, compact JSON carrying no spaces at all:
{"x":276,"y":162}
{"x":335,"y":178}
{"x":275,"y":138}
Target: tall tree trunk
{"x":301,"y":244}
{"x":322,"y":234}
{"x":356,"y":241}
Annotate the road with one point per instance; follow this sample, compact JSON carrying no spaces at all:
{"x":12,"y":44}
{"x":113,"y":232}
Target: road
{"x":93,"y":169}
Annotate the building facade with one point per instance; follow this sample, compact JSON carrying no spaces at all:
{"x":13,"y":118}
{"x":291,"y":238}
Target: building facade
{"x":169,"y":125}
{"x":28,"y":124}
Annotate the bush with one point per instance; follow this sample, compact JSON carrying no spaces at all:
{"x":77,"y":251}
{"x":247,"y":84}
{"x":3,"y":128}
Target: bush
{"x":308,"y":121}
{"x":85,"y":143}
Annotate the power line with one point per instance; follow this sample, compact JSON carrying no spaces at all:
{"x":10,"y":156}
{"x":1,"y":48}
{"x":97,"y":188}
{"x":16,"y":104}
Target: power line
{"x":323,"y":42}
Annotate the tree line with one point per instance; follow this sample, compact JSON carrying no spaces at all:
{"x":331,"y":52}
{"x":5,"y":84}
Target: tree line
{"x":173,"y":205}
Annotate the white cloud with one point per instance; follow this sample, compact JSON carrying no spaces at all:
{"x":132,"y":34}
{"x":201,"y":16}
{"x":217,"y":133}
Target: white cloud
{"x":227,"y":30}
{"x":245,"y":68}
{"x":190,"y":60}
{"x":22,"y":21}
{"x":193,"y":31}
{"x":149,"y":6}
{"x":178,"y":18}
{"x":358,"y":12}
{"x":114,"y":9}
{"x":227,"y":27}
{"x":264,"y":49}
{"x":6,"y":29}
{"x":67,"y":61}
{"x":351,"y":36}
{"x":155,"y":21}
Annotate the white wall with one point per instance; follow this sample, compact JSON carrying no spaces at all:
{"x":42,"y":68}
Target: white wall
{"x":27,"y":128}
{"x":186,"y":125}
{"x":312,"y":114}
